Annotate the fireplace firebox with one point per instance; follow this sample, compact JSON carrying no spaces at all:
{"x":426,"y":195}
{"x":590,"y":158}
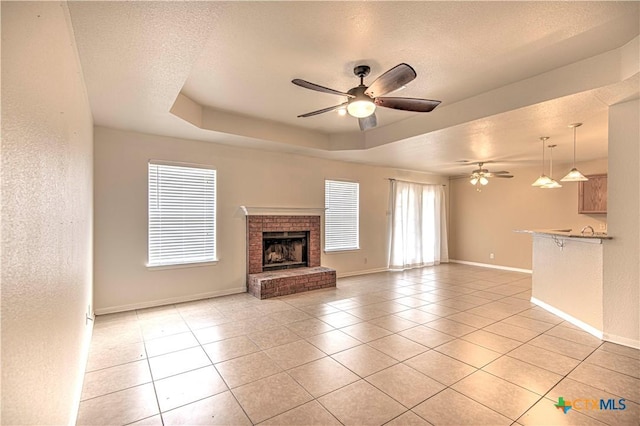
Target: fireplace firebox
{"x":284,"y":250}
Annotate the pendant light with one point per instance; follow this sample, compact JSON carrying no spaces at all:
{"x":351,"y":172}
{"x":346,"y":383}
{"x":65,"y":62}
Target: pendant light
{"x":543,"y":179}
{"x":574,"y":174}
{"x":553,"y":184}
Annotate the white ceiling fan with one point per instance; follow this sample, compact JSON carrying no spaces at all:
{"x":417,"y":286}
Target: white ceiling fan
{"x":480,"y":176}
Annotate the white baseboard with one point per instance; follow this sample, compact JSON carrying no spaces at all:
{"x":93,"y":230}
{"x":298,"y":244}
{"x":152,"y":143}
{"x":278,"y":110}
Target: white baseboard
{"x":575,"y":321}
{"x":169,"y":301}
{"x":624,"y":341}
{"x":489,"y":265}
{"x":365,"y":272}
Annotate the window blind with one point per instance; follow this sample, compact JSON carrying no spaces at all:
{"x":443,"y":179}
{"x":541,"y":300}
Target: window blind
{"x":341,"y":227}
{"x":182,"y":214}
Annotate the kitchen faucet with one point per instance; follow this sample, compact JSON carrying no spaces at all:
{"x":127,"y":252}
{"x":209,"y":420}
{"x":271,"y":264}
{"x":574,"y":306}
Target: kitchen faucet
{"x":588,"y":227}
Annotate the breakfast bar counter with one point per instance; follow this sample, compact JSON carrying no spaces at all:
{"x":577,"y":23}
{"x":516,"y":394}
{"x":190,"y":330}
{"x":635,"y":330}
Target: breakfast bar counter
{"x":568,"y":276}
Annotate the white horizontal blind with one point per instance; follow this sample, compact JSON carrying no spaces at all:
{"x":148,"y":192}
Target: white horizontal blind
{"x":182,"y":214}
{"x":341,"y":225}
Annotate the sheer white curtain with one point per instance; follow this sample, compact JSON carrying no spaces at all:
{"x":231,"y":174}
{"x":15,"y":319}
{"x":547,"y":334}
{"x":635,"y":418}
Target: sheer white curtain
{"x":418,"y":225}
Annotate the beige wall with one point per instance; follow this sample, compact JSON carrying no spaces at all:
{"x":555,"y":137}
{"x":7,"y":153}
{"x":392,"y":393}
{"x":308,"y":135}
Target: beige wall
{"x":46,"y":216}
{"x":245,"y":177}
{"x":622,"y":253}
{"x":483,"y":222}
{"x":563,"y":273}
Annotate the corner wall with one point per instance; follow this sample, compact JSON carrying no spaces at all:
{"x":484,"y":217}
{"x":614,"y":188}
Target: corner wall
{"x":245,"y":177}
{"x":483,"y":222}
{"x":622,"y":254}
{"x":46,"y":250}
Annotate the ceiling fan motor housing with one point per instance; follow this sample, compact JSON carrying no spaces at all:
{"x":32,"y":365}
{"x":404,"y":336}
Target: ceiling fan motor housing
{"x":362,"y":70}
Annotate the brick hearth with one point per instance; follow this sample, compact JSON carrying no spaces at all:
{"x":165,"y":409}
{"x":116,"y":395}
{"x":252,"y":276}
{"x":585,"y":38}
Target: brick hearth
{"x":277,"y":283}
{"x":290,"y":281}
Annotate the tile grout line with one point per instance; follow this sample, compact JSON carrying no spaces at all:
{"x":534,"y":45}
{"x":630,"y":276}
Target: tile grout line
{"x":217,"y":372}
{"x":153,"y":382}
{"x":388,"y":287}
{"x":566,"y":376}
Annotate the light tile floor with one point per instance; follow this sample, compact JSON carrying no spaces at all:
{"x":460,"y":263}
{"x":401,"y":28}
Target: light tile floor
{"x":450,"y":344}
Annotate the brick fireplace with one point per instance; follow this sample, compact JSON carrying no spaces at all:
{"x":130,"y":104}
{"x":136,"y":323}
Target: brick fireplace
{"x":283,"y":255}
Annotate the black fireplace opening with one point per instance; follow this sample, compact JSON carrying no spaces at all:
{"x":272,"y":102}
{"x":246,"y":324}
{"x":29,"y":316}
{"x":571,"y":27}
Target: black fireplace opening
{"x":284,"y":250}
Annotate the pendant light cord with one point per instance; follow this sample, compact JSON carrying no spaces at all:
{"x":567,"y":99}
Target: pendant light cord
{"x":574,"y":147}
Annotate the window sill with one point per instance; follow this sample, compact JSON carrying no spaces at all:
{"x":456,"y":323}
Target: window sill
{"x":182,"y":265}
{"x":338,"y":251}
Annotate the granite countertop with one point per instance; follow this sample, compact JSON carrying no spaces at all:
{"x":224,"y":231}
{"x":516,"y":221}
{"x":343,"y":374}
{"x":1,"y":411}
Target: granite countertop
{"x":566,"y":233}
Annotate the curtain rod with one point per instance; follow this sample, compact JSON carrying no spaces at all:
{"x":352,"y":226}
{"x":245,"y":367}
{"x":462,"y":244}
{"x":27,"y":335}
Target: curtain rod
{"x":408,"y":181}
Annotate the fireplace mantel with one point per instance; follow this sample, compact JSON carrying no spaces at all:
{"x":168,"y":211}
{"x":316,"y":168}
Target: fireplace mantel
{"x":282,"y":211}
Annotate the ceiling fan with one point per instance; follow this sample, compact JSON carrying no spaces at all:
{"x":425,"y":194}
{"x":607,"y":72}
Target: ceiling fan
{"x":480,"y":176}
{"x":362,"y":100}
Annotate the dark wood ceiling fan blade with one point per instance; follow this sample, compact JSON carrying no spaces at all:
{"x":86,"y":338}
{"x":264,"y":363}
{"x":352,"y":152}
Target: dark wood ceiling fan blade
{"x":501,"y":172}
{"x":503,"y":176}
{"x":321,"y":111}
{"x":318,"y":88}
{"x":368,"y":122}
{"x":408,"y":104}
{"x":391,"y":80}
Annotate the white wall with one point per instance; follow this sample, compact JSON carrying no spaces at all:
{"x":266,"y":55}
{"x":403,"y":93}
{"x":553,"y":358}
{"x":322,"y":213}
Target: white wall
{"x":245,"y":177}
{"x":46,"y":216}
{"x":622,"y":253}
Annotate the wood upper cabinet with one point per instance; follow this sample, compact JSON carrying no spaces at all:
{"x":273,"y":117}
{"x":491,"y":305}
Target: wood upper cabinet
{"x":592,"y":195}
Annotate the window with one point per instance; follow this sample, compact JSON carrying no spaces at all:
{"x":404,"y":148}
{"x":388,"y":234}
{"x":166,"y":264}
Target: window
{"x":182,"y":214}
{"x":341,"y":225}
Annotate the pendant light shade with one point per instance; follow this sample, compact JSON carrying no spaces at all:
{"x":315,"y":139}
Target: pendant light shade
{"x":542,"y":179}
{"x":574,"y":174}
{"x":553,"y":184}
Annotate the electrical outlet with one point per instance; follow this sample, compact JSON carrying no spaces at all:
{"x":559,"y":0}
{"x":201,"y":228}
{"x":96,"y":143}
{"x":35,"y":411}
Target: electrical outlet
{"x":602,"y":227}
{"x":491,"y":256}
{"x":365,"y":260}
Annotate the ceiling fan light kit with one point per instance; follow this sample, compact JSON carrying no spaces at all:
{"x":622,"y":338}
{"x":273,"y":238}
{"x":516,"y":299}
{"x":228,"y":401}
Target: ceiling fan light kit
{"x":574,"y":174}
{"x":361,"y":106}
{"x":481,"y":176}
{"x":362,"y":100}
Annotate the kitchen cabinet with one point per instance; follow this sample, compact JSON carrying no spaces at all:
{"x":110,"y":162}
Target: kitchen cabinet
{"x":592,"y":195}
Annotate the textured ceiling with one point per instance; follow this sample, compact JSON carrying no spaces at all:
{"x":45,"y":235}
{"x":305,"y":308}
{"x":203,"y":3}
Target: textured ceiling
{"x":506,"y":73}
